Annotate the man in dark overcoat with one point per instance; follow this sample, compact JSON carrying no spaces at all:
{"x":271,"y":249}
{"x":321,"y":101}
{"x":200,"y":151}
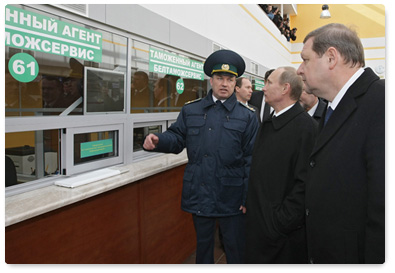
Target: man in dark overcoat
{"x":345,"y":194}
{"x":218,"y":133}
{"x":275,"y":230}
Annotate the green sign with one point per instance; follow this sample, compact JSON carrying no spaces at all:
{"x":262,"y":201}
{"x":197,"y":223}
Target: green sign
{"x":96,"y":147}
{"x":259,"y":84}
{"x":180,"y":86}
{"x":23,"y":67}
{"x":32,"y":31}
{"x":172,"y":64}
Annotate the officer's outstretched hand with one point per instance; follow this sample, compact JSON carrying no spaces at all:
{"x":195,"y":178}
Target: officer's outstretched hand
{"x":244,"y":209}
{"x":150,"y":142}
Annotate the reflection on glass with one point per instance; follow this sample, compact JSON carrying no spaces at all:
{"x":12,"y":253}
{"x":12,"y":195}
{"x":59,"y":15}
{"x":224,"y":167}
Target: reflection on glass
{"x":163,"y":93}
{"x":31,"y":155}
{"x":140,"y":92}
{"x":52,"y":91}
{"x":13,"y":89}
{"x":73,"y":85}
{"x":105,"y":91}
{"x":42,"y":97}
{"x":151,"y":93}
{"x":193,"y":89}
{"x":163,"y":96}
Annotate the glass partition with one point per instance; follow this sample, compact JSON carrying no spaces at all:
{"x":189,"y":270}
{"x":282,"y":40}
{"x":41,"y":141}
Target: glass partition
{"x":31,"y":155}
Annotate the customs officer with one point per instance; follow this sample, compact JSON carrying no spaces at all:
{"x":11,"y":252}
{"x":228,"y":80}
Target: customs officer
{"x":218,"y":133}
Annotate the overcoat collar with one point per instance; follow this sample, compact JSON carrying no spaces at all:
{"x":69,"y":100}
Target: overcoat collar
{"x":321,"y":109}
{"x":283,"y":119}
{"x":229,"y":104}
{"x":345,"y":108}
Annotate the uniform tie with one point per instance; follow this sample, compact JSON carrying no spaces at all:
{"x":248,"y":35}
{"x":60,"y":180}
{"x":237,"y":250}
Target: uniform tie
{"x":328,"y":114}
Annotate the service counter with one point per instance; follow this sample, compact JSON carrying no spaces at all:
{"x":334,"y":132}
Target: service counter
{"x":134,"y":217}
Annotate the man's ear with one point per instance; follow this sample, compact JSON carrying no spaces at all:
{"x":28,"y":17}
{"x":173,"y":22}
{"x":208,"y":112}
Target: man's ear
{"x":332,"y":56}
{"x":286,"y":89}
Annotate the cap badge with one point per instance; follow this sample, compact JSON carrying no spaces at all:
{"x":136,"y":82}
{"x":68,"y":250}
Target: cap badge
{"x":225,"y":67}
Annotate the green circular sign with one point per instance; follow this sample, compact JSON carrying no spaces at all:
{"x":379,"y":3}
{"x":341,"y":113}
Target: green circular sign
{"x":23,"y":67}
{"x":180,"y":86}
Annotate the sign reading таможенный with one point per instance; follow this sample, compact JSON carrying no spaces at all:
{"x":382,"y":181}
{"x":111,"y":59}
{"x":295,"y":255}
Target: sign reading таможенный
{"x":32,"y":31}
{"x":172,"y":64}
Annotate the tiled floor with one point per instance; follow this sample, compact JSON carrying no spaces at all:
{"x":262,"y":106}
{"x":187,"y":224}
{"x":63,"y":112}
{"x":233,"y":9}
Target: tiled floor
{"x":219,"y":254}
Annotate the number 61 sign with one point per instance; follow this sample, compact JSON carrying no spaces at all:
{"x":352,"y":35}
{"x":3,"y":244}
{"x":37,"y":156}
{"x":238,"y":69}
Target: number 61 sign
{"x":23,"y":67}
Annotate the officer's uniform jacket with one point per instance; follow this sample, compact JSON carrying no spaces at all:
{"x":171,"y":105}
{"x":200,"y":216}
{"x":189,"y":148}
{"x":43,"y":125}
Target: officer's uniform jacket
{"x":219,"y":141}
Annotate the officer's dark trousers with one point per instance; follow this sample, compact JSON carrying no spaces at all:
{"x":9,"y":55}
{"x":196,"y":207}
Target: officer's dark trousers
{"x":232,"y":228}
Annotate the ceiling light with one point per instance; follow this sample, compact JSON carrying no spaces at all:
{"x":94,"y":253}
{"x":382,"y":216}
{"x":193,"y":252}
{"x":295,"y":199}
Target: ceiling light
{"x":325,"y":14}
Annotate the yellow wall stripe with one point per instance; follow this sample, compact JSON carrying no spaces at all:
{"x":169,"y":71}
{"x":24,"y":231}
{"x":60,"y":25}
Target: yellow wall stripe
{"x":376,"y":47}
{"x":367,"y":59}
{"x":365,"y":48}
{"x":139,"y":49}
{"x":111,"y":42}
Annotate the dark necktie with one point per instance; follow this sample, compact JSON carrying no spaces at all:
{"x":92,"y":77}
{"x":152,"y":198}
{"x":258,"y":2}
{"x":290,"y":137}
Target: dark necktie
{"x":328,"y":114}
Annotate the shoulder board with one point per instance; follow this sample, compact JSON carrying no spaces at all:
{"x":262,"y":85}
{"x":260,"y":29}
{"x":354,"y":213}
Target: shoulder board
{"x":248,"y":107}
{"x":192,"y":101}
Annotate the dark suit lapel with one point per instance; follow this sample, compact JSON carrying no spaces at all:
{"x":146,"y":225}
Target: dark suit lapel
{"x":344,"y":109}
{"x":321,"y":109}
{"x":342,"y":112}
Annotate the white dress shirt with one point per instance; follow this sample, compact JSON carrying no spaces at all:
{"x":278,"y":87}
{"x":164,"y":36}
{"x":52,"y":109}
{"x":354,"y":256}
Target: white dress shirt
{"x":333,"y":104}
{"x":282,"y":111}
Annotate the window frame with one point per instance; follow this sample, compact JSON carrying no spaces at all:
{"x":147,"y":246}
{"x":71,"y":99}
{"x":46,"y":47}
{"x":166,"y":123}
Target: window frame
{"x":140,"y":155}
{"x":85,"y":102}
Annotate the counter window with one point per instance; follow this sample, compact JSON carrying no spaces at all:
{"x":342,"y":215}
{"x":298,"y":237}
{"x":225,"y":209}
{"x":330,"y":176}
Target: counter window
{"x":95,"y":146}
{"x":140,"y":133}
{"x":91,"y":148}
{"x":30,"y":156}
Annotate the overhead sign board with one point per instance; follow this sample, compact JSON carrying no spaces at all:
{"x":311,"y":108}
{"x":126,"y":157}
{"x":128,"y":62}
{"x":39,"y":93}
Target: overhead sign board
{"x":32,"y":31}
{"x":172,"y":64}
{"x":259,"y":84}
